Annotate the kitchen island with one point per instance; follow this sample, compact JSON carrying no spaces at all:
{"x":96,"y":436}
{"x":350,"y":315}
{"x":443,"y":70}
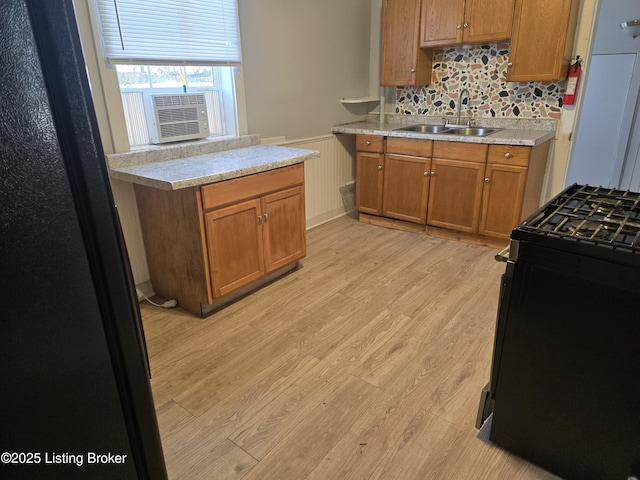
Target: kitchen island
{"x":219,"y":219}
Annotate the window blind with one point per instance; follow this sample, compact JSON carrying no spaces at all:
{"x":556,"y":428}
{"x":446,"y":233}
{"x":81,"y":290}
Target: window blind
{"x":170,"y":32}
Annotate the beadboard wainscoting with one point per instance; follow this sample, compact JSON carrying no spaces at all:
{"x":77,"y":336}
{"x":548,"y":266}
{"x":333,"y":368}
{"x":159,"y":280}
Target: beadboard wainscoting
{"x":323,"y":178}
{"x":325,"y":175}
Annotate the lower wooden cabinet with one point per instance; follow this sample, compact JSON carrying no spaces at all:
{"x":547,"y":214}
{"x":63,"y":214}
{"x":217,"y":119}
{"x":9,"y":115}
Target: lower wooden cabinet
{"x":235,"y":245}
{"x":456,"y":194}
{"x":395,"y":184}
{"x":471,"y":188}
{"x":283,"y":224}
{"x":369,"y":182}
{"x":255,"y":237}
{"x":502,"y":199}
{"x":406,"y":187}
{"x":206,"y":244}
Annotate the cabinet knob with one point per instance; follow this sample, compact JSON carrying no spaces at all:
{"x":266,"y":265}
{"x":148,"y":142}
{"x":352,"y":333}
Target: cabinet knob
{"x":466,"y":25}
{"x":379,"y":167}
{"x":368,"y":143}
{"x":265,"y":217}
{"x":259,"y":219}
{"x":510,"y":64}
{"x":458,"y":27}
{"x":507,"y":155}
{"x":413,"y":70}
{"x":426,"y":174}
{"x":433,"y":174}
{"x":486,"y":180}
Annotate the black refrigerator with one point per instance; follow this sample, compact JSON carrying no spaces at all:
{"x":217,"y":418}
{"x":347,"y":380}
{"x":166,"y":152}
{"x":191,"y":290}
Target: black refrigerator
{"x":75,"y":395}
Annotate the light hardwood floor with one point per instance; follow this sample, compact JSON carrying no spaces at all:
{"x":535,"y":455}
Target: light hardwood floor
{"x":366,"y":363}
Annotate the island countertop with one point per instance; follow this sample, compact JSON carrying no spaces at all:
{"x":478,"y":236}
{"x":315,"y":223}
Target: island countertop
{"x":213,"y":167}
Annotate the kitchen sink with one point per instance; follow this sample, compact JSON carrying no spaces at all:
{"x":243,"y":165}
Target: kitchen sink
{"x":425,"y":128}
{"x":472,"y":131}
{"x":465,"y":131}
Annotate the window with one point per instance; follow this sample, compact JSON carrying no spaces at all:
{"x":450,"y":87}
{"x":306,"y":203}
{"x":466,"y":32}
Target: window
{"x":217,"y":84}
{"x":173,"y":46}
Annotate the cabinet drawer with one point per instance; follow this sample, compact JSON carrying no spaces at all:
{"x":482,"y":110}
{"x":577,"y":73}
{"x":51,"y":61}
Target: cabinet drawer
{"x":472,"y":152}
{"x":370,"y":143}
{"x":238,"y":189}
{"x":410,"y":146}
{"x":509,"y":155}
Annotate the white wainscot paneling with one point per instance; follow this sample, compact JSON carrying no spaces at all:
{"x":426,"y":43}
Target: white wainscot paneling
{"x":325,"y":175}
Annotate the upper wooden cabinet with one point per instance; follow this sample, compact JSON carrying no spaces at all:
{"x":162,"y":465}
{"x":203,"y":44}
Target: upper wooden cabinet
{"x":452,"y":22}
{"x":542,"y":40}
{"x":402,"y":62}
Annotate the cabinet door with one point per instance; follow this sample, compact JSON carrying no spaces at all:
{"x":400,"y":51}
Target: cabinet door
{"x":502,"y":199}
{"x":235,"y":246}
{"x":442,"y":22}
{"x":406,"y":188}
{"x":456,"y":194}
{"x":402,"y":62}
{"x":369,"y":182}
{"x":487,"y":20}
{"x":542,"y":40}
{"x":284,"y":228}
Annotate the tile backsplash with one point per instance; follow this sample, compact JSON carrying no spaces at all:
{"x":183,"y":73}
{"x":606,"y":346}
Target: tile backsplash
{"x":482,"y":69}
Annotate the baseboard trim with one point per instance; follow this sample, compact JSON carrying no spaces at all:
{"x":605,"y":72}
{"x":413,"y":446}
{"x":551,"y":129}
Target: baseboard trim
{"x":146,"y":289}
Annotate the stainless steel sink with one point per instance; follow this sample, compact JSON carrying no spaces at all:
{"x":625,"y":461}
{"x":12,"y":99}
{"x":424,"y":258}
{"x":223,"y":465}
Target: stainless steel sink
{"x":467,"y":132}
{"x":472,"y":131}
{"x":425,"y":128}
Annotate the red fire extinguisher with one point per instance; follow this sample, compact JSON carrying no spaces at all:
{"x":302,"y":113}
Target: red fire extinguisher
{"x":573,"y":80}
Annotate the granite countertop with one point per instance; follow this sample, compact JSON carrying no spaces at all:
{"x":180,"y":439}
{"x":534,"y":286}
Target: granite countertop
{"x":152,"y":169}
{"x":513,"y":133}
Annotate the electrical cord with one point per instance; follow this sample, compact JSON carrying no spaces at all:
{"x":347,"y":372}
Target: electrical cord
{"x":168,"y":304}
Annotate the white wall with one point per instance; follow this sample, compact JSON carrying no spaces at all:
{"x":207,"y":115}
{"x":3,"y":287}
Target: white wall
{"x":299,"y":59}
{"x":611,"y":85}
{"x":562,"y":146}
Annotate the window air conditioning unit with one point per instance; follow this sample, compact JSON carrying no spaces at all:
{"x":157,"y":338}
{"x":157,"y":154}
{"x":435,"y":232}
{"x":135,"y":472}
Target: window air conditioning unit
{"x":175,"y":117}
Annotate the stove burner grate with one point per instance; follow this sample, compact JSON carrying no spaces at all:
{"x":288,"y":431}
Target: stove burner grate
{"x":596,"y":215}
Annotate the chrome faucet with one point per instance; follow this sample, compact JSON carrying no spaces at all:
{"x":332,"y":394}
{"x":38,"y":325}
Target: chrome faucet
{"x":460,"y":103}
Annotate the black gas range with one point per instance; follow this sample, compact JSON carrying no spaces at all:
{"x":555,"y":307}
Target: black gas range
{"x":565,"y":379}
{"x":595,"y":221}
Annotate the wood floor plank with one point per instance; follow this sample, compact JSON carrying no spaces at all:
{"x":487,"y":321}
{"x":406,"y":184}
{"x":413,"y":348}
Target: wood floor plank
{"x":206,"y":357}
{"x":474,"y":456}
{"x":365,"y":363}
{"x":310,"y":440}
{"x":265,"y":429}
{"x":376,"y":432}
{"x":213,"y":427}
{"x":225,"y":462}
{"x":419,"y":451}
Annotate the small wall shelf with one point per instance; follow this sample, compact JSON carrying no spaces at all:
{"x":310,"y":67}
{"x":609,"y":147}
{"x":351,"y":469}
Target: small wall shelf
{"x":360,"y":100}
